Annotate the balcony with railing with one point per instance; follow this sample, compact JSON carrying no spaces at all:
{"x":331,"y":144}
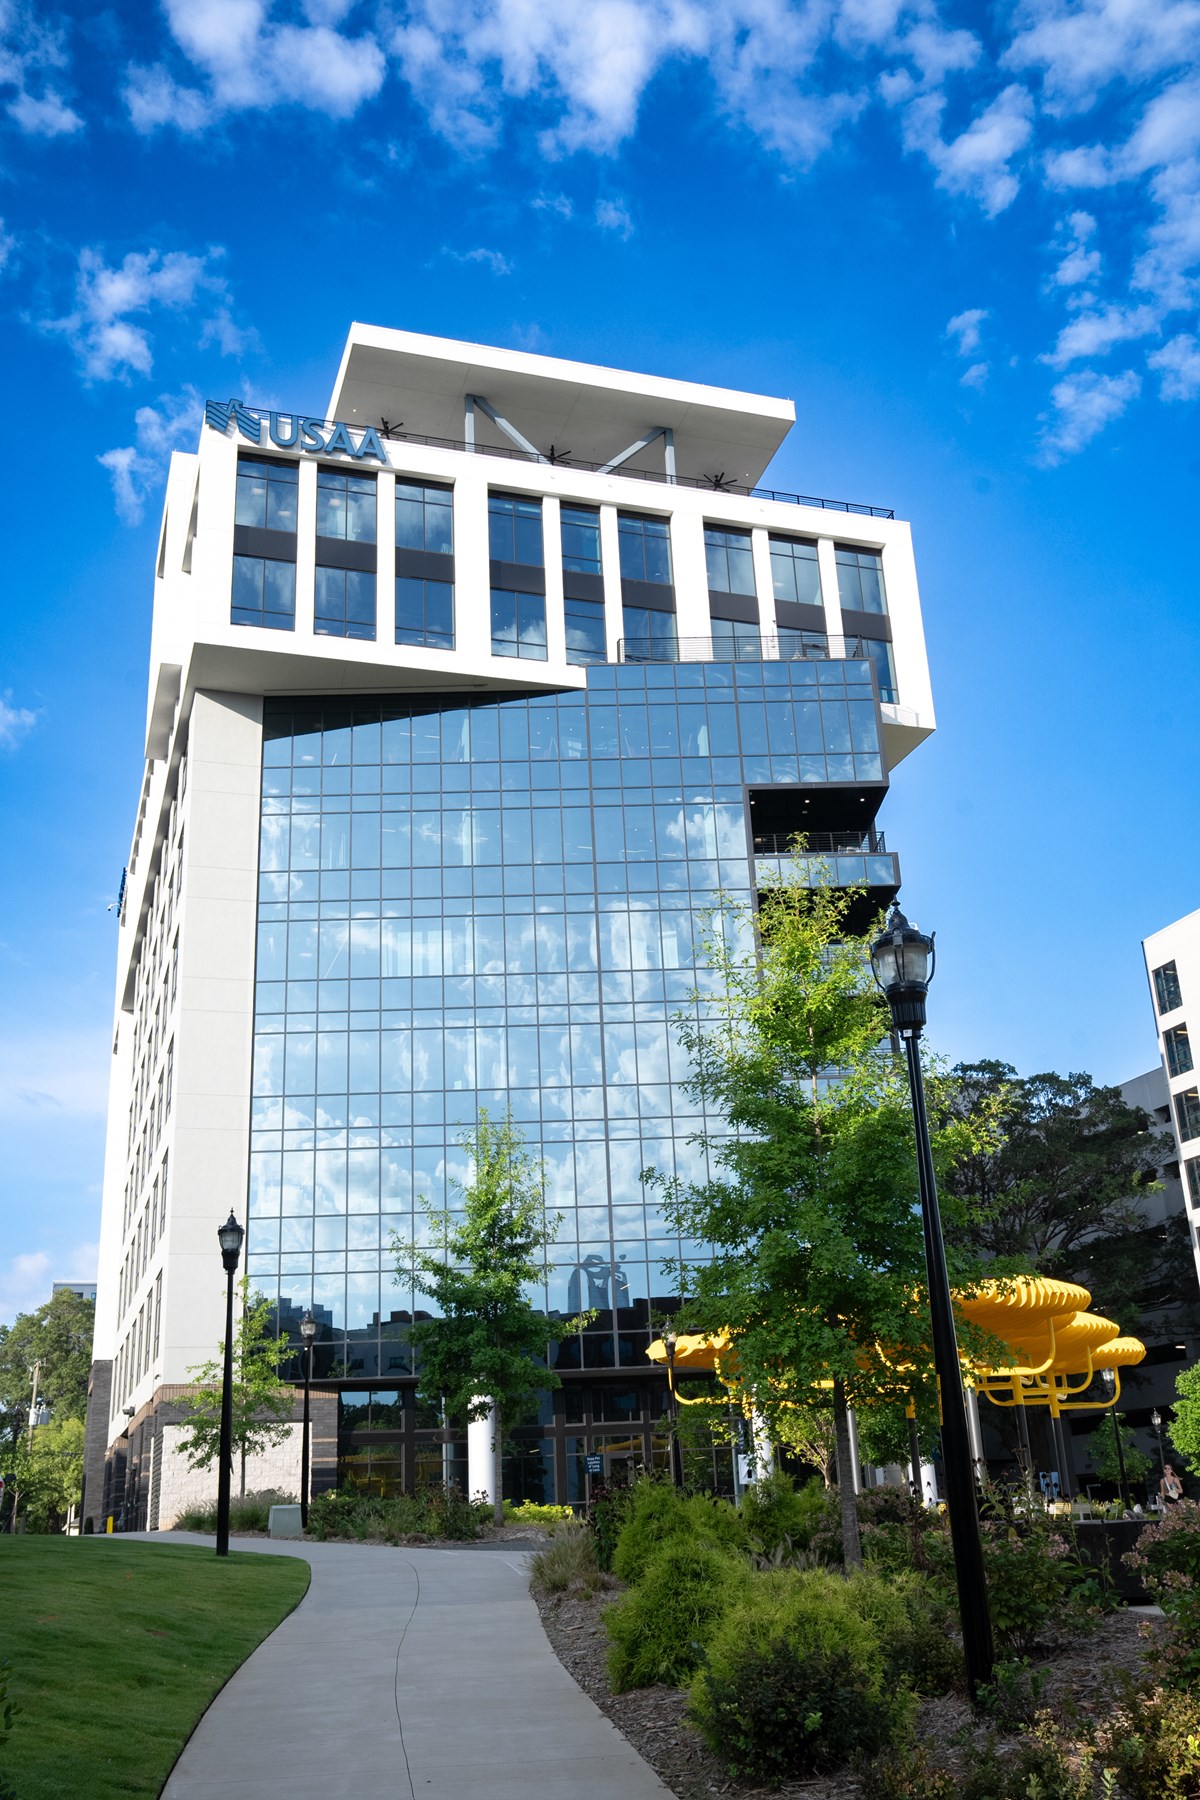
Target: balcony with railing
{"x":840,"y":859}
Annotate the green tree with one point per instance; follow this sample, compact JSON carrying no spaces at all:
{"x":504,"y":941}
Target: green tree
{"x":811,"y":1210}
{"x":262,"y":1401}
{"x":488,"y":1347}
{"x":1185,"y":1426}
{"x":1055,"y":1192}
{"x":49,"y":1473}
{"x":1102,"y":1450}
{"x":58,"y":1335}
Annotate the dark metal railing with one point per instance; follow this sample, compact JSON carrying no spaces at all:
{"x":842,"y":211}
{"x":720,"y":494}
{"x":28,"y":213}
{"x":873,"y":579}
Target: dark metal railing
{"x":716,"y":484}
{"x":848,"y":843}
{"x":797,"y":647}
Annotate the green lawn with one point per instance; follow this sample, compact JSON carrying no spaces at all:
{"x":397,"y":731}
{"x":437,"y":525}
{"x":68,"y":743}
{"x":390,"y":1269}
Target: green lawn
{"x":117,"y":1648}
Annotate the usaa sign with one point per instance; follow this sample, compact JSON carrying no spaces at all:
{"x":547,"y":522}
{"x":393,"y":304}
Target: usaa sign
{"x":312,"y":435}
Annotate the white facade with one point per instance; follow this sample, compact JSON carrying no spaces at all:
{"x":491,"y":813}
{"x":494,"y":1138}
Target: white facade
{"x":1173,"y":968}
{"x":178,"y":1128}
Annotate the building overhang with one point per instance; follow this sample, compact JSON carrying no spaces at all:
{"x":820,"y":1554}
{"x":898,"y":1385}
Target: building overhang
{"x":421,"y":386}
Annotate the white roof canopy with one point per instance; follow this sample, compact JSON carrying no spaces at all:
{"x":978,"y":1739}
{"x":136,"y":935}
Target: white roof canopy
{"x":568,"y":410}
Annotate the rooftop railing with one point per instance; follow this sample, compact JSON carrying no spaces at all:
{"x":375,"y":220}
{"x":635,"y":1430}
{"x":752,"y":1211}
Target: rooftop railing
{"x":846,"y":843}
{"x":716,"y":483}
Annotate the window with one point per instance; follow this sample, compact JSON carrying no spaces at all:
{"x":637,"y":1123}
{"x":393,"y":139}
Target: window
{"x":735,"y":639}
{"x":424,"y":518}
{"x":649,"y":635}
{"x":1187,"y":1113}
{"x":1193,"y":1179}
{"x":585,"y":631}
{"x":730,"y":563}
{"x":645,"y":548}
{"x":880,"y":654}
{"x":346,"y":506}
{"x":794,"y":572}
{"x":1166,"y":988}
{"x":1178,"y":1049}
{"x":345,"y":603}
{"x":157,"y":1313}
{"x":860,"y":579}
{"x":266,"y":494}
{"x":170,"y":1074}
{"x":581,"y":539}
{"x":518,"y":624}
{"x":515,"y":530}
{"x":424,"y":612}
{"x":264,"y":593}
{"x":162,"y":1222}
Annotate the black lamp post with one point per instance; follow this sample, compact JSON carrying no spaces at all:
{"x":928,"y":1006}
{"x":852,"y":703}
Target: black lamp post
{"x":1110,"y":1387}
{"x":669,"y":1341}
{"x":902,"y":959}
{"x":229,"y":1237}
{"x":308,"y":1333}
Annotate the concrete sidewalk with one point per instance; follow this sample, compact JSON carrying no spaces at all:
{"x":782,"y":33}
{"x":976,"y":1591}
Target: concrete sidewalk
{"x":406,"y":1674}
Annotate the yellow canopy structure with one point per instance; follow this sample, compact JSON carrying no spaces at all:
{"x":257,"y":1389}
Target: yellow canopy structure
{"x":1056,"y":1345}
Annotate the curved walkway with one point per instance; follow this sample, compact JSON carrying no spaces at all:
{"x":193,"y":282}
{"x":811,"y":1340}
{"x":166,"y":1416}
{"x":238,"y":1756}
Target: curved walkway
{"x":411,"y":1675}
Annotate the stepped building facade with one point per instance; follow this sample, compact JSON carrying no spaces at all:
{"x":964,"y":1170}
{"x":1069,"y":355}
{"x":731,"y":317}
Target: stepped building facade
{"x":464,"y":703}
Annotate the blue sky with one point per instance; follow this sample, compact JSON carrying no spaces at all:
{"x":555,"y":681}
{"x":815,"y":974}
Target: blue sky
{"x":966,"y":242}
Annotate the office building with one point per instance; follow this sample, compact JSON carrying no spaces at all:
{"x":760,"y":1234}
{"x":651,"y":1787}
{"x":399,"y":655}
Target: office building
{"x":463,"y":705}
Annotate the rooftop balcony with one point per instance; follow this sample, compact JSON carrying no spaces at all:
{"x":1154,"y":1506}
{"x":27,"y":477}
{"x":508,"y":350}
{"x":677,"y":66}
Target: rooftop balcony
{"x":864,"y":863}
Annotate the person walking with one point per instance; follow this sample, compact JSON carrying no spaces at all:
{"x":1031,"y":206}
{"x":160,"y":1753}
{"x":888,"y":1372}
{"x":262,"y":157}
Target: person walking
{"x":1170,"y":1488}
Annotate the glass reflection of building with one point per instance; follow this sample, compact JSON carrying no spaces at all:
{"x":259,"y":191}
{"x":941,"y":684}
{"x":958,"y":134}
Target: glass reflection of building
{"x":451,"y":743}
{"x":495,"y":903}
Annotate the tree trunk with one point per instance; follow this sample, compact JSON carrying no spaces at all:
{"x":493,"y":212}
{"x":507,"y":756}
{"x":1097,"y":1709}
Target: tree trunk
{"x":498,"y":1470}
{"x":851,"y":1541}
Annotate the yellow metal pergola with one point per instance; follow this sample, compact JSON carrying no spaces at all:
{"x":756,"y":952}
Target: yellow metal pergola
{"x":1057,"y":1347}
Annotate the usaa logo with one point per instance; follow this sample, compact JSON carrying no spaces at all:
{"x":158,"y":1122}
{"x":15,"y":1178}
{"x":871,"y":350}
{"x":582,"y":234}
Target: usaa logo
{"x":311,"y":435}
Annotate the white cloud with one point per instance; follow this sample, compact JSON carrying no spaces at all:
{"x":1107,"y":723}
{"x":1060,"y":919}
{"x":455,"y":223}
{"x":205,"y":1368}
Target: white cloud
{"x":101,"y":329}
{"x":1179,"y":363}
{"x":1078,"y":263}
{"x":1081,"y":49}
{"x":45,"y":115}
{"x":33,"y":56}
{"x":965,"y":329}
{"x":975,"y":376}
{"x":555,"y":203}
{"x":976,"y":162}
{"x":252,"y":61}
{"x":1094,"y":333}
{"x":8,"y":244}
{"x":15,"y":722}
{"x":135,"y":469}
{"x":1083,"y":404}
{"x":614,"y":215}
{"x":63,"y":1072}
{"x":491,"y":259}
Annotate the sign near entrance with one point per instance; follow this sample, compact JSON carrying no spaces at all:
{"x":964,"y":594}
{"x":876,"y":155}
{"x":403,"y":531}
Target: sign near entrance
{"x":290,"y":431}
{"x":594,"y":1465}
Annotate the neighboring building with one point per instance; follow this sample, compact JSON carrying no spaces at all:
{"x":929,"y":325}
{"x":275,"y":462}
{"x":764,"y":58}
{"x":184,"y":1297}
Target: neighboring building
{"x":1173,"y":966}
{"x":455,"y":726}
{"x":85,"y":1289}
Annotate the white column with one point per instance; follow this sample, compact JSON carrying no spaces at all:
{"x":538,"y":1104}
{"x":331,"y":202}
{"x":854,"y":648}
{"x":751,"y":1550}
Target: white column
{"x":481,"y":1460}
{"x":385,"y":578}
{"x":610,"y":564}
{"x":827,"y":568}
{"x":690,"y":571}
{"x":974,"y":1428}
{"x":306,"y":546}
{"x":556,"y":630}
{"x":929,"y":1492}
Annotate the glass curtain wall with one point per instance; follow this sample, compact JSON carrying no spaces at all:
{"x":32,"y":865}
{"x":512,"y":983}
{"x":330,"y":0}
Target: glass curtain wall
{"x":494,"y":903}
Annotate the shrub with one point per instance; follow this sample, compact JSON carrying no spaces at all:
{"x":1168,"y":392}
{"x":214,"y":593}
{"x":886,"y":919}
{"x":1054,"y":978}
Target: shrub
{"x":657,"y":1514}
{"x":1041,"y":1767}
{"x":917,"y":1630}
{"x":361,"y":1518}
{"x":1037,"y":1585}
{"x":898,"y":1532}
{"x":1152,"y":1741}
{"x":776,"y":1511}
{"x":568,"y":1564}
{"x":247,"y":1512}
{"x":660,"y":1629}
{"x":1168,"y":1556}
{"x":529,"y":1512}
{"x":795,"y":1681}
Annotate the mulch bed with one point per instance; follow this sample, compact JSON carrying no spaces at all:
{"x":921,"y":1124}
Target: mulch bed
{"x":1082,"y":1675}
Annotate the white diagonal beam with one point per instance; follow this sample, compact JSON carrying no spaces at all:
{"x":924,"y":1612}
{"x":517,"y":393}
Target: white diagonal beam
{"x":660,"y":431}
{"x":510,"y":431}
